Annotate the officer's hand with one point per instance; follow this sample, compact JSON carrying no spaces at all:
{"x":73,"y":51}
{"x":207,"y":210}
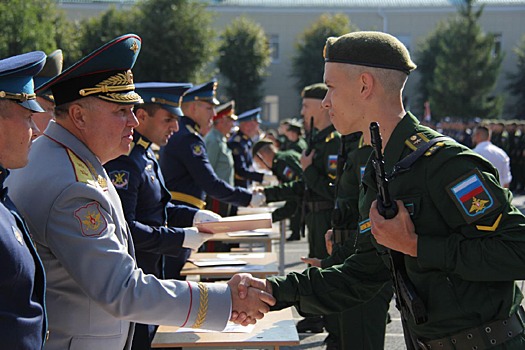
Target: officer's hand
{"x":306,"y":160}
{"x":269,"y":179}
{"x":328,"y":241}
{"x":193,"y":239}
{"x":258,"y":199}
{"x":205,"y":216}
{"x":250,"y":298}
{"x":258,"y":189}
{"x":311,"y":261}
{"x":397,"y":233}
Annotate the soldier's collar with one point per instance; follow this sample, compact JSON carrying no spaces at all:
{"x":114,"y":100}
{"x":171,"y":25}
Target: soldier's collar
{"x":192,"y":123}
{"x":393,"y":150}
{"x":140,"y":140}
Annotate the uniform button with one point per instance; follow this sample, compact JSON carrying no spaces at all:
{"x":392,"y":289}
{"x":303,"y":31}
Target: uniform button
{"x":47,"y":335}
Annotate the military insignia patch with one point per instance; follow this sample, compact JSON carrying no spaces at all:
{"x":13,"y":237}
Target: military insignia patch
{"x":92,"y":222}
{"x":120,"y":179}
{"x":288,"y":173}
{"x":362,"y":171}
{"x":365,"y":226}
{"x":472,"y":196}
{"x":196,"y":149}
{"x":332,"y":162}
{"x":18,"y":235}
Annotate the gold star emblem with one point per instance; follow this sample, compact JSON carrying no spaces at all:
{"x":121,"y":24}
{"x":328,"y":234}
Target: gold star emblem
{"x":477,"y":205}
{"x":134,"y":47}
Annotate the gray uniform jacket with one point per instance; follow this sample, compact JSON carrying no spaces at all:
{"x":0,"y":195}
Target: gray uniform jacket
{"x":219,"y":155}
{"x":94,"y":289}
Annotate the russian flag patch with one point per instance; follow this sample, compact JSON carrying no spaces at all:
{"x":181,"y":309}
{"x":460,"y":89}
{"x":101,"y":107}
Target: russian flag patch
{"x":472,"y":196}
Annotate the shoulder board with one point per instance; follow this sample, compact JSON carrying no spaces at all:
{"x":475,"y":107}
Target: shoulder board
{"x":237,"y":138}
{"x":330,"y":137}
{"x":191,"y":129}
{"x":361,"y":142}
{"x":418,"y":140}
{"x":81,"y":169}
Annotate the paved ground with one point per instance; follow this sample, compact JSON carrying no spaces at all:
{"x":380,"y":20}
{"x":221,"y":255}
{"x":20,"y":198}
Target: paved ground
{"x":394,"y":335}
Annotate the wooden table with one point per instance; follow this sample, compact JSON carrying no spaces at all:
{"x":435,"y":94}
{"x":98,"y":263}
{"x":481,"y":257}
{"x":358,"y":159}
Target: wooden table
{"x":264,"y":236}
{"x":260,"y":264}
{"x":274,"y":330}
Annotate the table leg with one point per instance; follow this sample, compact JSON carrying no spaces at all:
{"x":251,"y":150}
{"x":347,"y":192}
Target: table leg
{"x":282,"y":242}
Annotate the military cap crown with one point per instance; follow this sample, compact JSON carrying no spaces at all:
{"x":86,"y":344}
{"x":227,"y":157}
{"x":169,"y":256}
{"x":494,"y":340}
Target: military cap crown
{"x":252,"y":114}
{"x":167,"y":95}
{"x":16,"y":78}
{"x":372,"y":49}
{"x":225,"y":110}
{"x":295,"y":126}
{"x":259,"y":145}
{"x":317,"y":91}
{"x":104,"y":73}
{"x":204,"y":92}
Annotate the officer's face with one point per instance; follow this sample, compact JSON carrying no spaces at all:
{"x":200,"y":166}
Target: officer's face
{"x":107,"y":127}
{"x":203,"y":115}
{"x":159,"y":127}
{"x":16,"y":133}
{"x":343,"y":89}
{"x":311,"y":107}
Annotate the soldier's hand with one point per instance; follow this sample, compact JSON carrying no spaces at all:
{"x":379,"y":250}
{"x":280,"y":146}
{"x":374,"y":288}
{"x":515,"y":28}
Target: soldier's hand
{"x":311,"y":261}
{"x":205,"y":216}
{"x":269,"y":179}
{"x":250,"y":298}
{"x":328,"y":241}
{"x":306,"y":160}
{"x":397,"y":233}
{"x":258,"y":199}
{"x":258,"y":189}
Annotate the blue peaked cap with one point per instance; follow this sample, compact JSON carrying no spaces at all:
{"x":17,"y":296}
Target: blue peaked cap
{"x":204,"y":92}
{"x":167,"y":95}
{"x":104,"y":73}
{"x":16,"y":78}
{"x":252,"y":114}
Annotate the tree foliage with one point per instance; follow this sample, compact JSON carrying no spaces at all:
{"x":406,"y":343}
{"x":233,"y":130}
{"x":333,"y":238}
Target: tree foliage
{"x":244,"y":56}
{"x":308,"y":61}
{"x":28,"y":25}
{"x":516,"y":85}
{"x":460,"y":68}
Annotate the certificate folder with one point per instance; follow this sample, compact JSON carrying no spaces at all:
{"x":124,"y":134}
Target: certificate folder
{"x":237,"y":223}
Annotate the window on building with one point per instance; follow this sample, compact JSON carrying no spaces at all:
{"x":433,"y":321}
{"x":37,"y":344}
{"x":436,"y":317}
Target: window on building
{"x":497,"y":43}
{"x":271,"y":109}
{"x":273,"y":42}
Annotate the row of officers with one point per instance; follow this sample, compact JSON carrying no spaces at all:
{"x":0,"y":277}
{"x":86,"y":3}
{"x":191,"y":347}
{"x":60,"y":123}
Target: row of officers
{"x":105,"y":215}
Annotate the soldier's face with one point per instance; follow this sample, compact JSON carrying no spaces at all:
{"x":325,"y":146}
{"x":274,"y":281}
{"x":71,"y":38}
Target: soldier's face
{"x":343,"y":89}
{"x":16,"y":133}
{"x":159,"y":127}
{"x":204,"y":113}
{"x":108,"y":128}
{"x":311,"y":107}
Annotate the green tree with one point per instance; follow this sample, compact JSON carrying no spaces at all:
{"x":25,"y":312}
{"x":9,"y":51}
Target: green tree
{"x":244,"y":55}
{"x":308,"y":61}
{"x":465,"y":67}
{"x":27,"y":25}
{"x":516,"y":85}
{"x":178,"y":40}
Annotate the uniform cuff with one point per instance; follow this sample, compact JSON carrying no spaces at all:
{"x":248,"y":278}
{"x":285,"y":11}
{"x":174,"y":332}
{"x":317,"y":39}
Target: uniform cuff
{"x":218,"y":305}
{"x":431,"y":252}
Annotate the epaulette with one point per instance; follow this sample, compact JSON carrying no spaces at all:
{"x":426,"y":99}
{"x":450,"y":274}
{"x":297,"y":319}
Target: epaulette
{"x":192,"y":130}
{"x":419,"y":140}
{"x":85,"y":172}
{"x":237,"y":138}
{"x":330,"y":137}
{"x":361,"y":143}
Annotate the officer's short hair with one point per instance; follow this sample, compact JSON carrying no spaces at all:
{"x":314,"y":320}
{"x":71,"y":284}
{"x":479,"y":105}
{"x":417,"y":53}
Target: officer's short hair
{"x":150,"y":108}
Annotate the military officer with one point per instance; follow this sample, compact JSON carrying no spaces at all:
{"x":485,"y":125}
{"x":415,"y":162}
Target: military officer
{"x":286,"y":166}
{"x":460,"y":238}
{"x":219,"y":154}
{"x":151,"y":217}
{"x":52,"y":68}
{"x":23,"y":323}
{"x":95,"y":290}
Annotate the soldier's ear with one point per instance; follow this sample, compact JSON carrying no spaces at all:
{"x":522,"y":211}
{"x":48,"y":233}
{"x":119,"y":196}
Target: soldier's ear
{"x":77,"y":115}
{"x":141,"y":114}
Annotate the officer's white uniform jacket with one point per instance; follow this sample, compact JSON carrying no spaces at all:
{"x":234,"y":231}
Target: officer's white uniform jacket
{"x":94,"y":289}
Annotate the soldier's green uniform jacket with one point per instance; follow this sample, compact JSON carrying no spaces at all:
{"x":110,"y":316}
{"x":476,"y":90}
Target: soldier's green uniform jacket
{"x":319,"y":196}
{"x":287,"y":168}
{"x":470,"y":244}
{"x":298,"y":146}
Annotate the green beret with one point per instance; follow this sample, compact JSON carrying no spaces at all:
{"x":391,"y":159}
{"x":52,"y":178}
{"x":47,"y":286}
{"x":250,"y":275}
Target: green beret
{"x":372,"y":49}
{"x":260,"y":144}
{"x":317,"y":91}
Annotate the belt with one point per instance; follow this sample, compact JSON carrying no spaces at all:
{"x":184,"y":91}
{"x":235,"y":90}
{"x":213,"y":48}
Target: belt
{"x":318,"y":206}
{"x":186,"y":198}
{"x":340,"y":236}
{"x":480,"y":338}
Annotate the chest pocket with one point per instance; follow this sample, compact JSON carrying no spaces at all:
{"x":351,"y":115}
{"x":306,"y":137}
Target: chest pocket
{"x":412,"y":204}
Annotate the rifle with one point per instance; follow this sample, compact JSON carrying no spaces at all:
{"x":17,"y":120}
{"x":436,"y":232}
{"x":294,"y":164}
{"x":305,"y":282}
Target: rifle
{"x":309,"y":149}
{"x":407,"y":300}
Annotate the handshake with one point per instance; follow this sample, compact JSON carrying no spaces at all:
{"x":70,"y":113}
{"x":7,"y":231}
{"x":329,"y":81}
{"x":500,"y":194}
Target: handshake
{"x":251,"y":298}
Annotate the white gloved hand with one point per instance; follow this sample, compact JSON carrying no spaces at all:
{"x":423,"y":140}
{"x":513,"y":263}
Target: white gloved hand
{"x":193,"y":239}
{"x":205,"y":216}
{"x":258,"y":199}
{"x":267,"y":178}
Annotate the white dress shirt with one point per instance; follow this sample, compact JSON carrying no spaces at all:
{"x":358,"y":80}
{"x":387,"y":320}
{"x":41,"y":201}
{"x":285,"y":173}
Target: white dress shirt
{"x":498,"y":158}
